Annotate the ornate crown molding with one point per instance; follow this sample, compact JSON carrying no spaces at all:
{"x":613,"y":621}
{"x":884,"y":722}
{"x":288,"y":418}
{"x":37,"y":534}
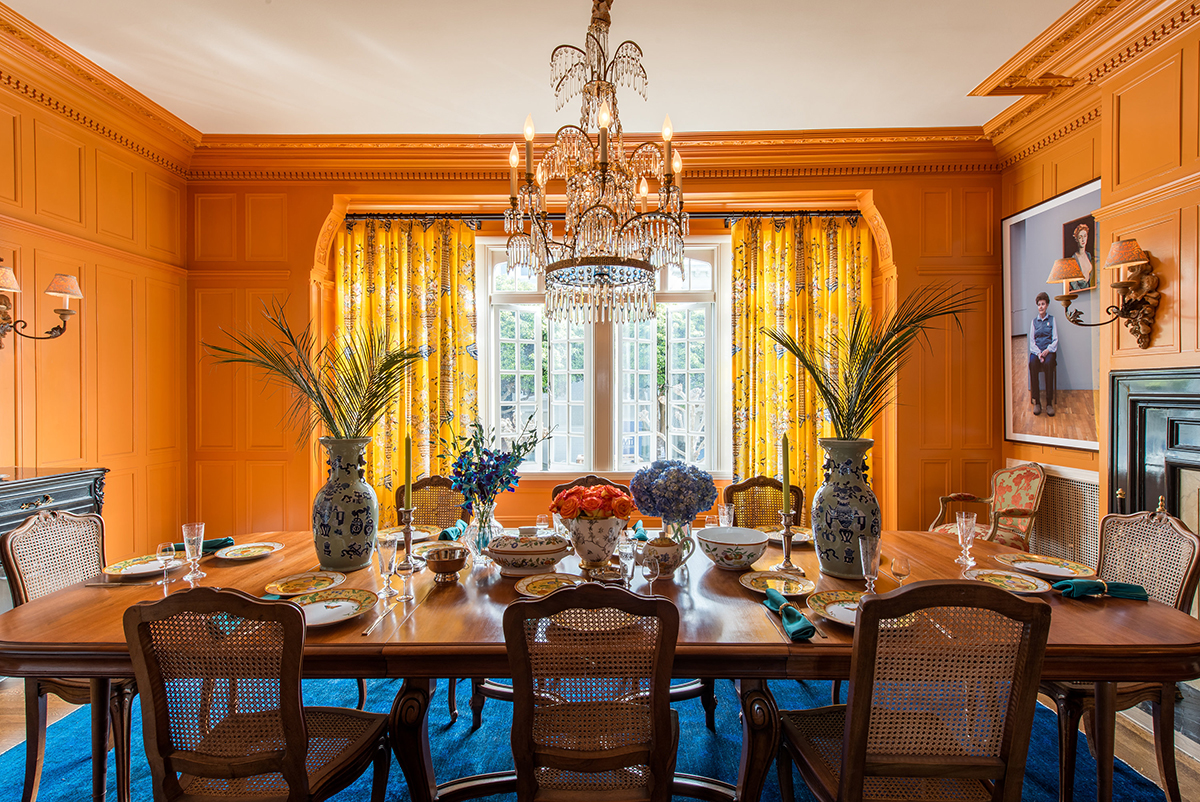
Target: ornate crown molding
{"x":1091,"y":116}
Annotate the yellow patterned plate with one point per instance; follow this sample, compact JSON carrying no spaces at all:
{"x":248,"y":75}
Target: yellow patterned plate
{"x":140,"y":566}
{"x":1043,"y":566}
{"x":249,"y":551}
{"x":335,"y":605}
{"x":310,"y":582}
{"x":840,"y":606}
{"x":543,"y":584}
{"x":787,"y":584}
{"x":420,"y":532}
{"x":800,"y":534}
{"x":1020,"y":584}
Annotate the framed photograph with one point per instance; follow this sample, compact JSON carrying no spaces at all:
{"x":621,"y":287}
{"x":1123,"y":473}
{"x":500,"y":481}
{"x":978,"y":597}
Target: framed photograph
{"x":1051,"y":367}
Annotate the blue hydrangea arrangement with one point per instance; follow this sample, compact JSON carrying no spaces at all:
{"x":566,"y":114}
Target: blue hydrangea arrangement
{"x":673,"y":491}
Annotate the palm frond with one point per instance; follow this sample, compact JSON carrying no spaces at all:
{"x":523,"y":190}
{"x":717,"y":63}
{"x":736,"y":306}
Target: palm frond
{"x":344,"y":386}
{"x":854,"y":371}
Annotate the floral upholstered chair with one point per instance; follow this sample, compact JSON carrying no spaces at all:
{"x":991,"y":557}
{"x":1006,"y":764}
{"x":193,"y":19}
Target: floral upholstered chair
{"x":1016,"y":494}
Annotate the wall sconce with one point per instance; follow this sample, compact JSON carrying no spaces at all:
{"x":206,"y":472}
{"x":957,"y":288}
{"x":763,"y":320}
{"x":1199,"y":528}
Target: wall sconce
{"x":1138,"y":292}
{"x":61,"y":286}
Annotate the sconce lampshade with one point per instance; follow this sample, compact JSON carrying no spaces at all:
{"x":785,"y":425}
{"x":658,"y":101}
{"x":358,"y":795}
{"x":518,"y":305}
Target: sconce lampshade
{"x":64,"y":286}
{"x":1124,"y":253}
{"x":1064,"y":270}
{"x":8,"y":280}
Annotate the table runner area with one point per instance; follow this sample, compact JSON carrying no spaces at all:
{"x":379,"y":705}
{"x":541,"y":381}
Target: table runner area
{"x":457,"y":751}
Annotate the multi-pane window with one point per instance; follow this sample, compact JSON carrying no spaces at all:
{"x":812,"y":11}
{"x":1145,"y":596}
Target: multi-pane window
{"x":614,"y":397}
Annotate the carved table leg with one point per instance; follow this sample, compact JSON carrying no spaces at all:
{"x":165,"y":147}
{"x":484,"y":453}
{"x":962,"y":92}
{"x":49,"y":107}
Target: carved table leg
{"x":101,"y":690}
{"x":1106,"y":725}
{"x":760,"y":737}
{"x":408,"y":730}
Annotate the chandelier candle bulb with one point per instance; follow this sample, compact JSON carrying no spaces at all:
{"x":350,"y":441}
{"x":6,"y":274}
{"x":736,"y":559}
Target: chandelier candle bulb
{"x":643,"y":189}
{"x":604,"y":120}
{"x":514,"y":159}
{"x":529,"y":147}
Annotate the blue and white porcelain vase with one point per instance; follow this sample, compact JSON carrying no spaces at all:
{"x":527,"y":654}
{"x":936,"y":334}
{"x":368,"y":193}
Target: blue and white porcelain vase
{"x":345,"y":511}
{"x":844,"y":508}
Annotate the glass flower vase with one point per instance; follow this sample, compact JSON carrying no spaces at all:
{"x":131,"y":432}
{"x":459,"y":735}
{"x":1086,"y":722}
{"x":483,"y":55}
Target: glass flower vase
{"x":481,"y":530}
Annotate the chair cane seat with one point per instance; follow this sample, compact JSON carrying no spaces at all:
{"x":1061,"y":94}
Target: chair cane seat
{"x":818,"y":735}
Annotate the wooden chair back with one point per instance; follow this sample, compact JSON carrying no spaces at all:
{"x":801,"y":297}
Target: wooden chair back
{"x":591,"y":480}
{"x":436,"y":501}
{"x":51,"y":550}
{"x":219,"y":674}
{"x":943,"y":682}
{"x":757,"y":501}
{"x":591,"y":668}
{"x":1154,"y":550}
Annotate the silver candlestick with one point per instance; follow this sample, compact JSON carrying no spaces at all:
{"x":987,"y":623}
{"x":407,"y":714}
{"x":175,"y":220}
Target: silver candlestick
{"x":404,"y":517}
{"x":786,"y":518}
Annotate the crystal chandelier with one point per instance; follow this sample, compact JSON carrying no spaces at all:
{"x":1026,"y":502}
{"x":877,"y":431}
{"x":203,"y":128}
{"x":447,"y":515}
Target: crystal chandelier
{"x":605,"y":265}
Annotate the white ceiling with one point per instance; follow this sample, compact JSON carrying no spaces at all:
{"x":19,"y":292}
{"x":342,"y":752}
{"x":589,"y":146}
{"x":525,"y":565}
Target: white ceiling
{"x":479,"y":66}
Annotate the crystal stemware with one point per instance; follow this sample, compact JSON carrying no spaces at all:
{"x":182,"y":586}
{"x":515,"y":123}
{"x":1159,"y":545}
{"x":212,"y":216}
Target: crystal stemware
{"x":385,"y":551}
{"x":966,"y":536}
{"x":870,"y":547}
{"x":650,"y":570}
{"x":901,"y":569}
{"x":165,"y":554}
{"x":193,"y":542}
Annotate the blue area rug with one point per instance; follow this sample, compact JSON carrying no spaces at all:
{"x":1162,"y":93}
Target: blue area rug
{"x":457,"y":751}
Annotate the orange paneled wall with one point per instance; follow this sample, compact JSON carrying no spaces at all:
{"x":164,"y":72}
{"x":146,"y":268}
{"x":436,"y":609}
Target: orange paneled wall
{"x":75,"y":197}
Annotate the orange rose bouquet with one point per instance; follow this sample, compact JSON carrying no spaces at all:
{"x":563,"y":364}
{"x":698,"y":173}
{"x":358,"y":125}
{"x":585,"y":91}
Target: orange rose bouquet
{"x":600,"y":501}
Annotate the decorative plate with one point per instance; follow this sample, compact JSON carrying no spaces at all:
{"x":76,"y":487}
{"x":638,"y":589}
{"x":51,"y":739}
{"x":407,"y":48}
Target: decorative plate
{"x":309,"y":582}
{"x":420,"y":532}
{"x":839,"y":606}
{"x":249,"y":551}
{"x":1020,"y":584}
{"x":1045,"y":567}
{"x":543,"y":584}
{"x":785,"y":583}
{"x":140,"y":566}
{"x":331,"y":606}
{"x":800,"y":534}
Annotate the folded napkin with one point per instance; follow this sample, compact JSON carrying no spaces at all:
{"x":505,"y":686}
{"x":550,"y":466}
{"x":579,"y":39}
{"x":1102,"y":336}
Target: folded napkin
{"x":1078,"y":588}
{"x":638,"y":532}
{"x":453,"y":532}
{"x":270,"y":597}
{"x":795,"y":624}
{"x":210,"y":546}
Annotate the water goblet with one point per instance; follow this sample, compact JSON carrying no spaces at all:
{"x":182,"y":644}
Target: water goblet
{"x":725,"y":514}
{"x":543,"y":524}
{"x":901,"y":569}
{"x":625,"y":555}
{"x":966,"y":536}
{"x":193,"y":541}
{"x":711,"y":521}
{"x":870,"y":548}
{"x":165,"y":554}
{"x":385,"y":550}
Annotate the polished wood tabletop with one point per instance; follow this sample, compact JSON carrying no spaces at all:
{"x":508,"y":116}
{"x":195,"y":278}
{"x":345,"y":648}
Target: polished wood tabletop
{"x":725,"y":631}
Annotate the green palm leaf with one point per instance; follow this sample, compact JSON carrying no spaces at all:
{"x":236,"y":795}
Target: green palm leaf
{"x":854,"y":371}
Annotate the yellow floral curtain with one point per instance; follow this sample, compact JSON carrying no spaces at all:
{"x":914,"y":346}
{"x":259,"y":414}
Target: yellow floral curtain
{"x":415,"y":281}
{"x":804,"y":275}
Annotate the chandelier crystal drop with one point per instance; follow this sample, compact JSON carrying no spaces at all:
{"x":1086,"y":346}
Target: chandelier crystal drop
{"x":605,"y":263}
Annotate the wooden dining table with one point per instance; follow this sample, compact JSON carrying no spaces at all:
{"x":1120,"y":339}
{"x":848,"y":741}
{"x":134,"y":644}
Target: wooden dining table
{"x":725,"y":632}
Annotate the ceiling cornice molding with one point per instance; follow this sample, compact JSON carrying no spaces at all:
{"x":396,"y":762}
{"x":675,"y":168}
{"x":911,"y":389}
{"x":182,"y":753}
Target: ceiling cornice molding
{"x":45,"y":71}
{"x":1063,"y":131}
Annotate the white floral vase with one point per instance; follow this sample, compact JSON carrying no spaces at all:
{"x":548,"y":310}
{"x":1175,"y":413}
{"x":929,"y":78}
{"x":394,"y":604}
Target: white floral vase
{"x":671,"y":549}
{"x":844,"y":507}
{"x":345,"y":511}
{"x":594,"y":539}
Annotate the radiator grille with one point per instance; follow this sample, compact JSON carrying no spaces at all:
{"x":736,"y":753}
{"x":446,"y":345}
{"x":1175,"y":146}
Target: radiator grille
{"x":1068,"y":521}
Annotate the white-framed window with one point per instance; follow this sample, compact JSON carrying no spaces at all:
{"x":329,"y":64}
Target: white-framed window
{"x":615,"y":397}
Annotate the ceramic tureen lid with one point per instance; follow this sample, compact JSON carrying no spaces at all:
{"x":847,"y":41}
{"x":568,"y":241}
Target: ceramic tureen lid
{"x":527,"y":544}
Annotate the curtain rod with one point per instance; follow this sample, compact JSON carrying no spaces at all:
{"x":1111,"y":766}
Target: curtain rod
{"x":476,"y":217}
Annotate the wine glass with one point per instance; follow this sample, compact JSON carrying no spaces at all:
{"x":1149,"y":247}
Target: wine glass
{"x":725,"y":514}
{"x":625,"y":555}
{"x":966,"y":536}
{"x":870,"y":548}
{"x":901,"y":569}
{"x":650,"y":570}
{"x":385,"y":549}
{"x":193,"y":542}
{"x":165,"y":554}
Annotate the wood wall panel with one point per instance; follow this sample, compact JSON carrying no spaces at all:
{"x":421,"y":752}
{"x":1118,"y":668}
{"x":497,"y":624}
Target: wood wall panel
{"x":1028,"y":189}
{"x":978,"y":223}
{"x":1146,"y":124}
{"x":116,"y":307}
{"x":266,"y":493}
{"x":10,"y":377}
{"x":266,"y":228}
{"x":164,"y":506}
{"x":163,"y":346}
{"x":214,"y":228}
{"x":934,"y":483}
{"x":216,"y":419}
{"x":120,"y":513}
{"x":114,"y":197}
{"x":1074,"y":166}
{"x":10,"y":155}
{"x":60,"y":370}
{"x":979,"y":371}
{"x":936,"y":223}
{"x":58,"y":174}
{"x":217,"y":493}
{"x":265,"y":403}
{"x":933,"y":401}
{"x":163,"y":205}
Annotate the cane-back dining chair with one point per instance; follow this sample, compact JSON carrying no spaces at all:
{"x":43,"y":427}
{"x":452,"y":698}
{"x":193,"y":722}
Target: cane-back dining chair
{"x":756,"y":502}
{"x":942,"y":692}
{"x":437,"y":503}
{"x":482,"y":689}
{"x":591,"y":668}
{"x":222,"y":712}
{"x":48,"y":552}
{"x":1016,"y":495}
{"x":1154,"y":550}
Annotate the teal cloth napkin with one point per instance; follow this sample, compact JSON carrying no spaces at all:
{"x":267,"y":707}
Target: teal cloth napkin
{"x":1078,"y":588}
{"x":453,"y":532}
{"x":271,"y":597}
{"x":210,"y":546}
{"x":638,"y":532}
{"x":795,"y":624}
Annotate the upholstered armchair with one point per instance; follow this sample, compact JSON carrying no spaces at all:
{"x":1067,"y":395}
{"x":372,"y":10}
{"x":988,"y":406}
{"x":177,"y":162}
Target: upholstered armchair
{"x":1016,"y":495}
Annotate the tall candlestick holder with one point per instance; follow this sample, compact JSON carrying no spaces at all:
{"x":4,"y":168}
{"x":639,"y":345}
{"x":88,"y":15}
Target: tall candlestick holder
{"x":404,"y":517}
{"x":786,"y":519}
